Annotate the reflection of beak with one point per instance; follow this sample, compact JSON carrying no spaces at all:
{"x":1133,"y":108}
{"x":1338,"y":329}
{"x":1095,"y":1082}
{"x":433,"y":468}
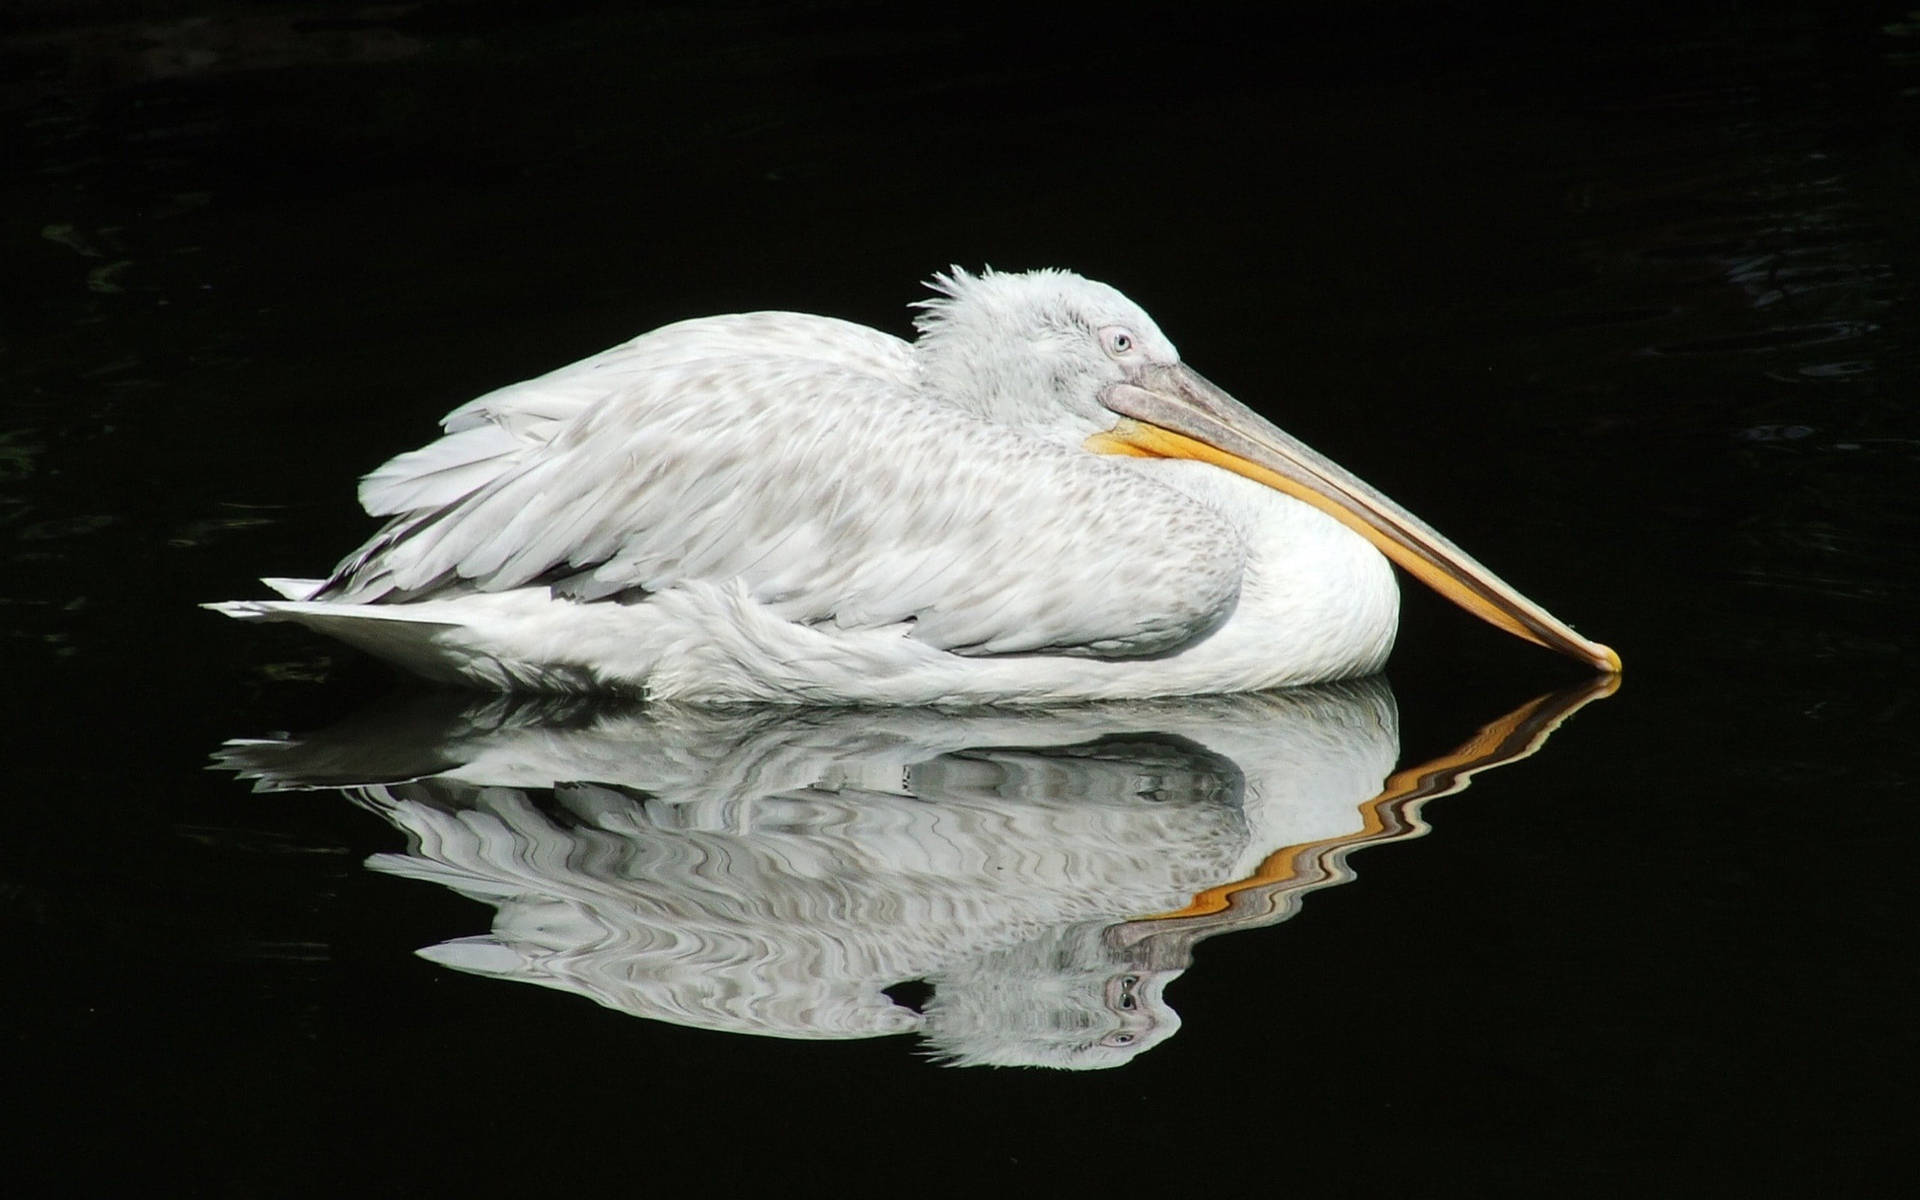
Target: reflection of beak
{"x":1262,"y":897}
{"x":1173,"y":412}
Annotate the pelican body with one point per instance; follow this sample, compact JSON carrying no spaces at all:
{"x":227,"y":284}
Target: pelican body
{"x":1034,"y":501}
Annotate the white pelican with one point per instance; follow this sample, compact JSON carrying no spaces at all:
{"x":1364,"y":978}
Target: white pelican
{"x":1035,"y":501}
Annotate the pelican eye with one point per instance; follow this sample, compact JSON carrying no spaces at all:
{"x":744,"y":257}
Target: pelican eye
{"x":1119,"y":342}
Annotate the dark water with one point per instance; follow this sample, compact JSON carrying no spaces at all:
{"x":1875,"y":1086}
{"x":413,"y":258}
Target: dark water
{"x":1623,"y":300}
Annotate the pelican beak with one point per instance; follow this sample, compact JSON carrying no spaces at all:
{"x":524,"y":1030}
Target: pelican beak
{"x":1170,"y":411}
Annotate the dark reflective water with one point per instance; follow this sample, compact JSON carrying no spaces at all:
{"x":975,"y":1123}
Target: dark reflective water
{"x":1621,"y":300}
{"x":1036,"y":879}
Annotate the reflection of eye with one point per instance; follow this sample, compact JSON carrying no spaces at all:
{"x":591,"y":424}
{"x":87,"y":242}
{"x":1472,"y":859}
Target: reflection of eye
{"x":1127,"y":1002}
{"x":1118,"y":1039}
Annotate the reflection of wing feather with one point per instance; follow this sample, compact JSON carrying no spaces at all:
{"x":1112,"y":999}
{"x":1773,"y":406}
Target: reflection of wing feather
{"x":815,"y":473}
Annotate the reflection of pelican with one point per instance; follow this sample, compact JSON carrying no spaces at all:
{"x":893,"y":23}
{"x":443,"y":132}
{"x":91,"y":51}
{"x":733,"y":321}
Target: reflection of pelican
{"x":1036,"y":501}
{"x":777,"y":871}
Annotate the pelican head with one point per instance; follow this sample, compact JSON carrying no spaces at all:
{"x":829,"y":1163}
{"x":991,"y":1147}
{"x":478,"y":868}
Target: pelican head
{"x":1067,"y":358}
{"x":1034,"y":350}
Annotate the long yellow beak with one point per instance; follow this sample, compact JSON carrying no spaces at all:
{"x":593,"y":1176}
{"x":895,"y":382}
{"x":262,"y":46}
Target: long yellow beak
{"x":1173,"y":412}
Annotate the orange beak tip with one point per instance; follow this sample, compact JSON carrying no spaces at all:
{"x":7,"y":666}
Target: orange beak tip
{"x":1610,"y":661}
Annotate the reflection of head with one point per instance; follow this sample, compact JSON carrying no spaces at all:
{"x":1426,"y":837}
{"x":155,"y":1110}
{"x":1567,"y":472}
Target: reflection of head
{"x":1063,"y":999}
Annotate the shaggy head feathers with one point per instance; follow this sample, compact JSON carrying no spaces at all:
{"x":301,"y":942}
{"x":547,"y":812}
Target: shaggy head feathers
{"x":1040,"y":305}
{"x":1025,"y":348}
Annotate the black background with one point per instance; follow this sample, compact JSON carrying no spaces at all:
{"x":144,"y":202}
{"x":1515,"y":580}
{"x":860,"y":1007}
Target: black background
{"x":1621,"y":298}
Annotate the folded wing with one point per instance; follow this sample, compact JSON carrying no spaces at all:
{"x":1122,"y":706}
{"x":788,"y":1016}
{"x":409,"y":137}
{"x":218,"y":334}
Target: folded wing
{"x":798,"y":455}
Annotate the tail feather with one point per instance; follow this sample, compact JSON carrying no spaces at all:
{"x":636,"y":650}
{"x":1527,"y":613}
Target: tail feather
{"x":495,"y":641}
{"x":386,"y":631}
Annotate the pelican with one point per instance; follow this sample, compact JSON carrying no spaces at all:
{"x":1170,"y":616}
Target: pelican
{"x":1034,"y":501}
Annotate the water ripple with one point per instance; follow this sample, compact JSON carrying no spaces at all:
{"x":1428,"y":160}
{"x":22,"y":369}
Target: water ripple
{"x":785,"y":872}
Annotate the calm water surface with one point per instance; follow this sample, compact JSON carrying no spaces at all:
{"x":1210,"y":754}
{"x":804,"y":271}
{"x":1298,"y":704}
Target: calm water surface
{"x":1624,"y":303}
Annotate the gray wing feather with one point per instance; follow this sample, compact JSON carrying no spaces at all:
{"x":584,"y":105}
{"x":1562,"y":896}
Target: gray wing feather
{"x":812,"y":470}
{"x":488,"y":435}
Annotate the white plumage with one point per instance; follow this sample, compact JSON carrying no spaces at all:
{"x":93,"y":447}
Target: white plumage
{"x":773,"y":506}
